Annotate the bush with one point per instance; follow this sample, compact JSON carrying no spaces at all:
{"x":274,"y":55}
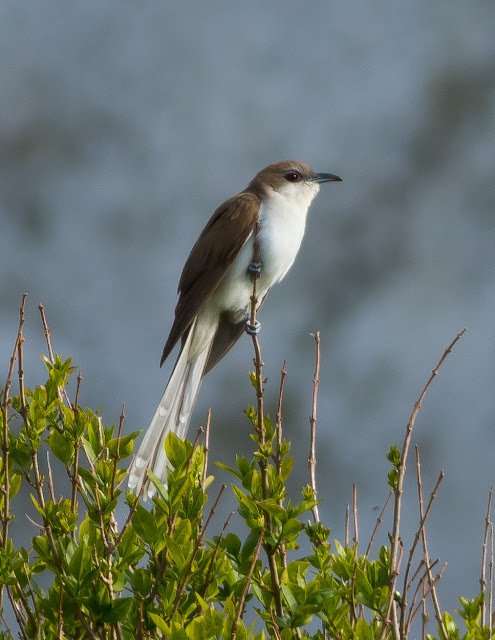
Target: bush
{"x":157,"y":575}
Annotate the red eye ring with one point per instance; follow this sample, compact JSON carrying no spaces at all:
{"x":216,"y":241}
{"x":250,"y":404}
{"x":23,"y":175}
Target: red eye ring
{"x":292,"y":176}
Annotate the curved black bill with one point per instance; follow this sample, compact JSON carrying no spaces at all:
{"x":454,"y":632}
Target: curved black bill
{"x":326,"y":177}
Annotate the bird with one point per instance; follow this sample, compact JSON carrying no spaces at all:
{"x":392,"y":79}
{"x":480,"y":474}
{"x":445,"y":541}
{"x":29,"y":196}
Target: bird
{"x":215,"y":289}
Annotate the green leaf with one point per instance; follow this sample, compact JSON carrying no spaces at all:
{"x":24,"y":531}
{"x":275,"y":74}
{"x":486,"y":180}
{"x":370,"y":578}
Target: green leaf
{"x":291,"y":527}
{"x":393,"y":455}
{"x":287,"y":467}
{"x":175,"y":450}
{"x":393,"y":478}
{"x":144,"y":525}
{"x":60,"y":446}
{"x":123,"y":446}
{"x":15,"y":483}
{"x":141,"y":581}
{"x":243,"y":465}
{"x":118,"y":611}
{"x":160,"y":623}
{"x":232,"y":544}
{"x":158,"y":484}
{"x":274,"y":509}
{"x":175,"y":551}
{"x":249,"y":546}
{"x":80,"y":562}
{"x":362,"y":630}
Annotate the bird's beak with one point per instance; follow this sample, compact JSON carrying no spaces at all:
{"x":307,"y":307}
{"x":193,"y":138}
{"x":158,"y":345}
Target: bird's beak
{"x":326,"y":177}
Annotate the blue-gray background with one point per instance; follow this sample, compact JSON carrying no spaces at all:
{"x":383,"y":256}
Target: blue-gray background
{"x":124,"y":124}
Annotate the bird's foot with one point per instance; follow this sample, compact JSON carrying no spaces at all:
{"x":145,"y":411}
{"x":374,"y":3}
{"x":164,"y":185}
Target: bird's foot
{"x":254,"y":270}
{"x":253,"y":329}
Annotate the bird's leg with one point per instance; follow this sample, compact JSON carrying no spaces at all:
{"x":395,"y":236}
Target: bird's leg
{"x":254,"y":270}
{"x":251,"y":329}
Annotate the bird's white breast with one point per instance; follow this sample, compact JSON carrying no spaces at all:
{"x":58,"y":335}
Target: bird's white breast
{"x":282,"y":223}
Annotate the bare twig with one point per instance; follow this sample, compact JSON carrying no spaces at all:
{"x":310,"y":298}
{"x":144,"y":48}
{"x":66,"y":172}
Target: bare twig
{"x":355,"y":519}
{"x":413,"y":613}
{"x":426,"y":555}
{"x":312,"y":423}
{"x":46,"y":329}
{"x":260,"y":428}
{"x":50,"y":477}
{"x":390,"y":616}
{"x":423,"y":569}
{"x":418,"y":535}
{"x":78,"y":389}
{"x":117,"y":453}
{"x":490,"y":599}
{"x":214,"y":555}
{"x":278,"y":455}
{"x":346,"y":536}
{"x":484,"y":555}
{"x":242,"y":599}
{"x":207,"y":447}
{"x":379,"y":520}
{"x":199,"y":432}
{"x":60,"y":630}
{"x":5,"y":429}
{"x":258,"y":362}
{"x":278,"y":418}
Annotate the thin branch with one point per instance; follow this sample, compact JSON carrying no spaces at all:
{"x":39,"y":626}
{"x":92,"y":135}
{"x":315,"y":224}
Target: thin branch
{"x":5,"y":429}
{"x":278,"y":454}
{"x":346,"y":536}
{"x":22,"y":390}
{"x":260,"y":428}
{"x":46,"y":330}
{"x":379,"y":521}
{"x":278,"y":418}
{"x":117,"y":454}
{"x":18,"y":613}
{"x":484,"y":554}
{"x":490,"y":599}
{"x":207,"y":447}
{"x":199,"y":433}
{"x":421,"y":585}
{"x":312,"y":423}
{"x":60,"y":630}
{"x":242,"y":599}
{"x":258,"y":362}
{"x":355,"y":519}
{"x":426,"y":555}
{"x":19,"y":338}
{"x":395,"y":539}
{"x":50,"y":477}
{"x":412,"y":551}
{"x":78,"y":388}
{"x":414,"y":612}
{"x":214,"y":555}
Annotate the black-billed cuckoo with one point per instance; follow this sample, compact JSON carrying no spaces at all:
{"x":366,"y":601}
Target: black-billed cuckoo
{"x":215,"y":292}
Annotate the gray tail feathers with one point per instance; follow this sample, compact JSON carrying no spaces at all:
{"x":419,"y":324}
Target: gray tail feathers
{"x":172,"y":414}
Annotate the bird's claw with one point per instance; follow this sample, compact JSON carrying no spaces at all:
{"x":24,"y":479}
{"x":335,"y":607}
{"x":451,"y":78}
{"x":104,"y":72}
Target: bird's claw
{"x":253,"y":329}
{"x":254,"y":270}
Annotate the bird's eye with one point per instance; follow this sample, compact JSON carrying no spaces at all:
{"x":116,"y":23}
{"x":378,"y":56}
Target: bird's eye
{"x":293,"y":176}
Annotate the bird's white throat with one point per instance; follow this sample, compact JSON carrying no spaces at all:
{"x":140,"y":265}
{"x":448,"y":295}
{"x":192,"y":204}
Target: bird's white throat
{"x":282,"y":223}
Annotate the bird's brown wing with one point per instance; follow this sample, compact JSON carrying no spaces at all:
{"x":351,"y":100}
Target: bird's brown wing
{"x":210,"y":258}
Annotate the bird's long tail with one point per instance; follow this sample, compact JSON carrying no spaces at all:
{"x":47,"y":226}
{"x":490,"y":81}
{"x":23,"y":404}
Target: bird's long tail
{"x":172,"y":414}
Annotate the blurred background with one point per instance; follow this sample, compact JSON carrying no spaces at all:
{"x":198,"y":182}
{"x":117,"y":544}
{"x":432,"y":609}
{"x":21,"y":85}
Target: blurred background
{"x":123,"y":125}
